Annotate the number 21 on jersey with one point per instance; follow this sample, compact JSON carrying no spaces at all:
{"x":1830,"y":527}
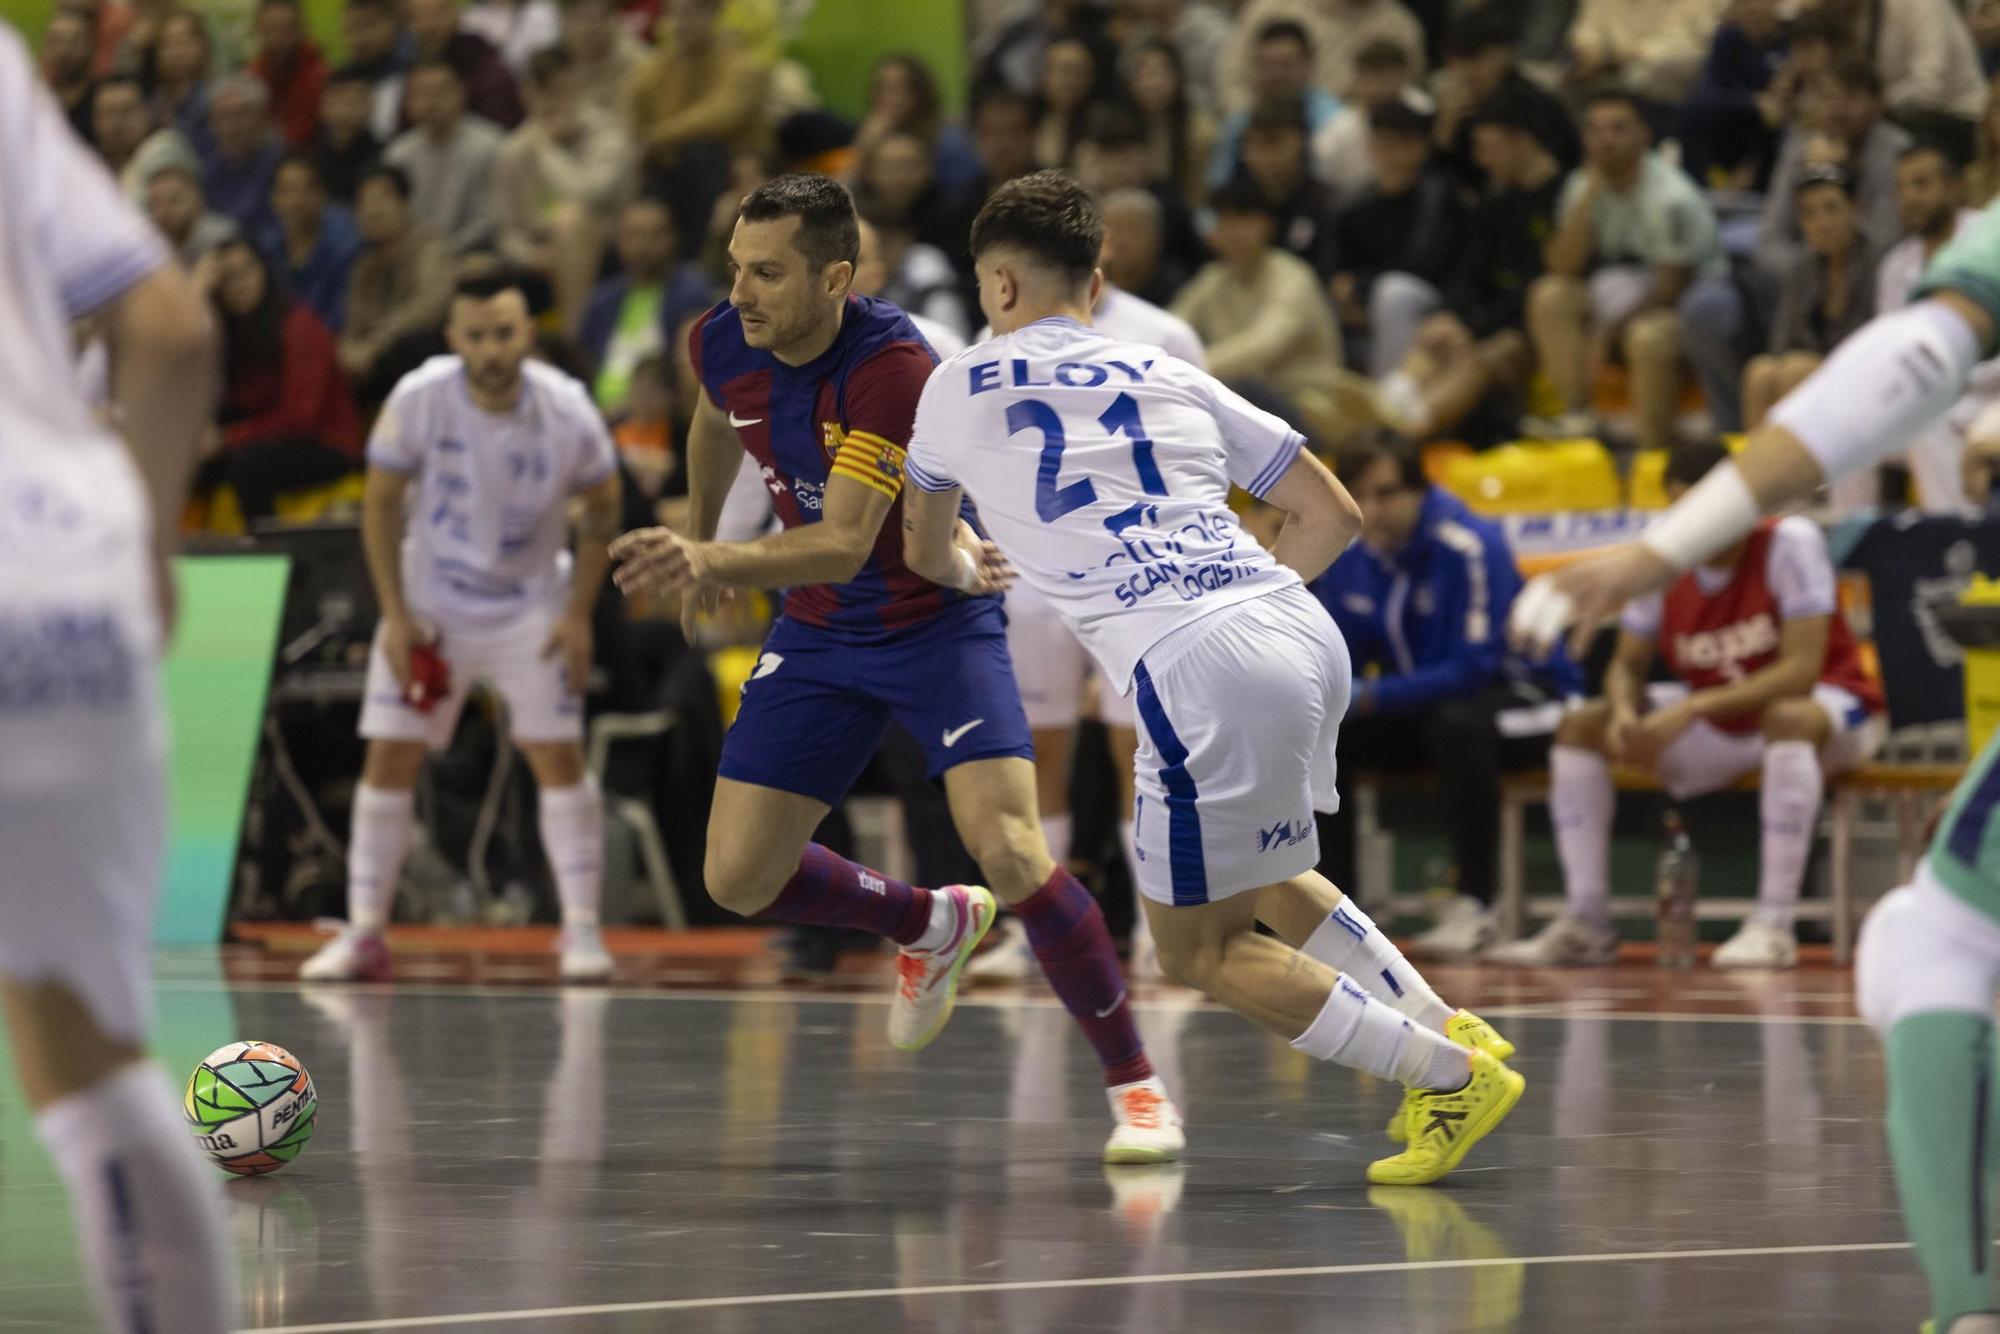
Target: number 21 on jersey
{"x":1052,"y":499}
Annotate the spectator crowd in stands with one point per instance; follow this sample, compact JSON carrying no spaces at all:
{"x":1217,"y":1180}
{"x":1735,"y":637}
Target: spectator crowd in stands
{"x":1460,"y":219}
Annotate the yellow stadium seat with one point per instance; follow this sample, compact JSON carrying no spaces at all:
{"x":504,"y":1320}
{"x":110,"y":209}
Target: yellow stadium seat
{"x":1647,"y":484}
{"x":1439,"y":455}
{"x":221,"y":514}
{"x":1537,"y":477}
{"x":1982,"y":672}
{"x":731,"y":668}
{"x":314,"y":503}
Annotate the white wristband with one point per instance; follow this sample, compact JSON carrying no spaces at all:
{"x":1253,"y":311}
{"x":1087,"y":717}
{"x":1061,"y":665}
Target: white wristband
{"x":1717,"y":512}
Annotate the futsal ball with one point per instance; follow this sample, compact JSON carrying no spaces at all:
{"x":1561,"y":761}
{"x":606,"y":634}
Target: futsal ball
{"x":251,"y":1107}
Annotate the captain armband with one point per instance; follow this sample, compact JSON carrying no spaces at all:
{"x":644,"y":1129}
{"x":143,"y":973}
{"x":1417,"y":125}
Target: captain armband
{"x":872,"y":461}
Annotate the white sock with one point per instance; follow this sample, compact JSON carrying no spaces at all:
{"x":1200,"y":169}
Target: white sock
{"x":1056,"y":833}
{"x":1789,"y":806}
{"x":1350,"y":943}
{"x":944,"y":921}
{"x":383,"y":819}
{"x":1355,"y":1031}
{"x":1580,"y":807}
{"x":147,"y":1209}
{"x":573,"y":836}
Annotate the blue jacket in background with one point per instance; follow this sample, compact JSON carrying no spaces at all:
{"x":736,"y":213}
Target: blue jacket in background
{"x":321,"y":282}
{"x":242,"y":190}
{"x":1433,"y":617}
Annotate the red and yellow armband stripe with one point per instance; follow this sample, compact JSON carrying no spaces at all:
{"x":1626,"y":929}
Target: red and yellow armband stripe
{"x":872,"y":461}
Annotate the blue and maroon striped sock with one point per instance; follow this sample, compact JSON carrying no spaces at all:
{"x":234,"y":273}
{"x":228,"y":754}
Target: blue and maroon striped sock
{"x":1067,"y":933}
{"x":829,"y":890}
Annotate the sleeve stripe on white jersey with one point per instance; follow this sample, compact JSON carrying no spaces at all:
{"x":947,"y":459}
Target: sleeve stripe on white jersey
{"x":120,"y":275}
{"x":923,"y":481}
{"x":1276,"y":468}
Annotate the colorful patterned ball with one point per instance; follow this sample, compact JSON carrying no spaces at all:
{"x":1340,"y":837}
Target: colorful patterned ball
{"x":251,"y":1106}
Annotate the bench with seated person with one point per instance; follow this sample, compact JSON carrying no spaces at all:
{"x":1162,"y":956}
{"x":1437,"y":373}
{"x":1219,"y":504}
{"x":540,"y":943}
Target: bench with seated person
{"x":1769,"y":679}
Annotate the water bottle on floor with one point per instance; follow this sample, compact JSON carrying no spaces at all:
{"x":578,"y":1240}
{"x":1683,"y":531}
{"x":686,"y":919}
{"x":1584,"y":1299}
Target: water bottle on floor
{"x":1675,"y":883}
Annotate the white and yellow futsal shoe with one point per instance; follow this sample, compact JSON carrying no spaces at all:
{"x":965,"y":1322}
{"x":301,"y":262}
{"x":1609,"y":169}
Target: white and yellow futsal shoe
{"x":1149,"y":1125}
{"x":927,"y":980}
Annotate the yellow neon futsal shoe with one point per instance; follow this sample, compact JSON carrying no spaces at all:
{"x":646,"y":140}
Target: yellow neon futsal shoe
{"x":1467,"y":1030}
{"x":927,"y":980}
{"x":1443,"y":1127}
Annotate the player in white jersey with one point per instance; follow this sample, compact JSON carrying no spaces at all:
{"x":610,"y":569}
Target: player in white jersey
{"x":1102,"y":470}
{"x":487,"y":448}
{"x":1054,"y":671}
{"x":83,"y":611}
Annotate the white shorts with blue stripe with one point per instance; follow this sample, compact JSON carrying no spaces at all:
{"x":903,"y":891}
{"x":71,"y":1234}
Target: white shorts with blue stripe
{"x":1239,"y":714}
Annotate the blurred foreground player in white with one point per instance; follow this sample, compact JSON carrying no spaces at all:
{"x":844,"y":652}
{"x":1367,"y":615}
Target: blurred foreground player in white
{"x":477,"y":581}
{"x":1767,"y":680}
{"x":84,"y":608}
{"x":1055,"y":670}
{"x":1103,"y":469}
{"x":1928,"y":969}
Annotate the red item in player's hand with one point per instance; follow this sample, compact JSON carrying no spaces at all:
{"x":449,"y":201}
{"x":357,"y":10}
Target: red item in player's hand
{"x":430,"y":677}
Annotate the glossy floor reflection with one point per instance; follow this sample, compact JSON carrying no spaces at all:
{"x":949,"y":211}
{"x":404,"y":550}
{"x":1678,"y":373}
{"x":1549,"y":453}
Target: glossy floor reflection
{"x":537,"y":1159}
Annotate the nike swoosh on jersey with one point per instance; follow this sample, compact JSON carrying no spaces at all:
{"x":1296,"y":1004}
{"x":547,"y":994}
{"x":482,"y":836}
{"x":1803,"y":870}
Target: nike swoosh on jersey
{"x":735,"y":420}
{"x":952,"y":735}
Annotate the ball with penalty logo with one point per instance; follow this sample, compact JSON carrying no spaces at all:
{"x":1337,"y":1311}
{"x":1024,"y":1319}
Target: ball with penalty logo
{"x":251,"y":1106}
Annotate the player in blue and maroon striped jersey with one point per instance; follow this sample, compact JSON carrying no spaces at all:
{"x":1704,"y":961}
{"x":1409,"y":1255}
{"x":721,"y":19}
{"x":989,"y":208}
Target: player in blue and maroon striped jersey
{"x":820,"y":387}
